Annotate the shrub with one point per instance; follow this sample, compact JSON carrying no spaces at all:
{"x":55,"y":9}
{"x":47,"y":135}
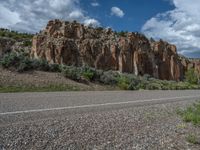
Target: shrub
{"x":18,"y":61}
{"x":24,"y":65}
{"x":88,"y":73}
{"x":55,"y":68}
{"x":123,"y":82}
{"x":41,"y":65}
{"x":191,"y":76}
{"x":146,"y":77}
{"x":133,"y":85}
{"x":153,"y":86}
{"x":71,"y":72}
{"x":22,"y":62}
{"x":98,"y":74}
{"x":109,"y":77}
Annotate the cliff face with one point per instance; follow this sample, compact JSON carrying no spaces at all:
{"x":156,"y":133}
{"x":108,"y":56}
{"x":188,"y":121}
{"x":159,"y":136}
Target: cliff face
{"x":8,"y":45}
{"x":76,"y":44}
{"x":5,"y":45}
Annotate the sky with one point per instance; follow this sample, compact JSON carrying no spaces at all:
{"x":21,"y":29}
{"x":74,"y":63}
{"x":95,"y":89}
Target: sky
{"x":176,"y":21}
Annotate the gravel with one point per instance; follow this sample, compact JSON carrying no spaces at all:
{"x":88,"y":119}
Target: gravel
{"x":141,"y":128}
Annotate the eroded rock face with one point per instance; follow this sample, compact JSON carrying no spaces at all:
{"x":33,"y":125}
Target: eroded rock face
{"x":8,"y":44}
{"x":5,"y":45}
{"x":75,"y":44}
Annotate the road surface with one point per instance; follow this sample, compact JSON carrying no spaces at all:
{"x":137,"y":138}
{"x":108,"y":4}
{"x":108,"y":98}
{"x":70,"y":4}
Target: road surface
{"x":22,"y":109}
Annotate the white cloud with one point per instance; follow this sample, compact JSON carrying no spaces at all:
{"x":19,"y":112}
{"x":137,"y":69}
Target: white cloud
{"x":76,"y":15}
{"x":32,"y":16}
{"x":91,"y":22}
{"x":180,"y":26}
{"x":95,"y":4}
{"x":117,"y":12}
{"x":8,"y":17}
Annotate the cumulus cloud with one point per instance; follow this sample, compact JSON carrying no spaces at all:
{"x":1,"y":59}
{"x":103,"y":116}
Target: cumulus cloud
{"x":117,"y":12}
{"x":180,"y":26}
{"x":8,"y":17}
{"x":95,"y":4}
{"x":91,"y":22}
{"x":32,"y":16}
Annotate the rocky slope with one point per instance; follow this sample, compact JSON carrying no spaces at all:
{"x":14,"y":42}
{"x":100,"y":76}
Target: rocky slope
{"x":75,"y":44}
{"x":14,"y":41}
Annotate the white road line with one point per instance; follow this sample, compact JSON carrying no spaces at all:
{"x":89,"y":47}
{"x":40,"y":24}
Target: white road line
{"x":96,"y":105}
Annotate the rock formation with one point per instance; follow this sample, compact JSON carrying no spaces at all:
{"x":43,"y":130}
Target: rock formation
{"x":8,"y":44}
{"x":5,"y":45}
{"x":75,"y":44}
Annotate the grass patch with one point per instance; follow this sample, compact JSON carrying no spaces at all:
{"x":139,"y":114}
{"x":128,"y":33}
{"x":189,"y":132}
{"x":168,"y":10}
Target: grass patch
{"x":49,"y":88}
{"x":191,"y":138}
{"x":191,"y":114}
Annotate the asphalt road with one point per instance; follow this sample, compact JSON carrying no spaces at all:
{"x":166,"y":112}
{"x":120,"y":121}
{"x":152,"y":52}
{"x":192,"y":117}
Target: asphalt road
{"x":91,"y":120}
{"x":35,"y":106}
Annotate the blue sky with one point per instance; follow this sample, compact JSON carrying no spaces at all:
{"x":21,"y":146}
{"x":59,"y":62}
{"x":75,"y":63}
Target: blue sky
{"x":175,"y":21}
{"x":137,"y":12}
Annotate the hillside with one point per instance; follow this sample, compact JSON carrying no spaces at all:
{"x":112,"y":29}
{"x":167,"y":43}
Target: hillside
{"x":14,"y":41}
{"x":71,"y":56}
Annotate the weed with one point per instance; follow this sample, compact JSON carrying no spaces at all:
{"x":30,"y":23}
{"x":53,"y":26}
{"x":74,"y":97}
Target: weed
{"x":191,"y":138}
{"x":191,"y":114}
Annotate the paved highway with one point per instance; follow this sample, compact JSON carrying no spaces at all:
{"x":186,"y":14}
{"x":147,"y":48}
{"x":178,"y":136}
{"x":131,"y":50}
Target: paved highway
{"x":20,"y":109}
{"x":38,"y":104}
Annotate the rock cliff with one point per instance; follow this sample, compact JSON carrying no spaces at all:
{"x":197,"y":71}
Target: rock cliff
{"x":75,"y":44}
{"x":9,"y":44}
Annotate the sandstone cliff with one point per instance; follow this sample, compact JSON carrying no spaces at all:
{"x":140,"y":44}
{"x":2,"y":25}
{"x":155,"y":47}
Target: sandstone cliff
{"x":75,"y":44}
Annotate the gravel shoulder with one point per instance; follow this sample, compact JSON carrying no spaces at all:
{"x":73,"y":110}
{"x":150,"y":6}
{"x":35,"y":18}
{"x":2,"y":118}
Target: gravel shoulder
{"x":141,"y":128}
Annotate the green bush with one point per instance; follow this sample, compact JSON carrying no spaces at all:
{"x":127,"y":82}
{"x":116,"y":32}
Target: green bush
{"x":24,"y":65}
{"x":88,"y":73}
{"x":55,"y":68}
{"x":123,"y":82}
{"x":134,"y":85}
{"x":71,"y":72}
{"x":41,"y":65}
{"x":109,"y":77}
{"x":21,"y":62}
{"x":18,"y":61}
{"x":153,"y":86}
{"x":191,"y":76}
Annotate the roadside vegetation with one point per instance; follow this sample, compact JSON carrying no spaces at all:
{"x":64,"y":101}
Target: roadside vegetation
{"x":191,"y":114}
{"x":192,"y":138}
{"x":21,"y":62}
{"x":15,"y":35}
{"x":192,"y":77}
{"x":45,"y":88}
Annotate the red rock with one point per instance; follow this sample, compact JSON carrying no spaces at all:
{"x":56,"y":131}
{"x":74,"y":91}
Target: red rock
{"x":75,"y":44}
